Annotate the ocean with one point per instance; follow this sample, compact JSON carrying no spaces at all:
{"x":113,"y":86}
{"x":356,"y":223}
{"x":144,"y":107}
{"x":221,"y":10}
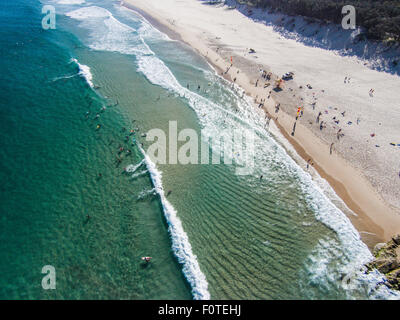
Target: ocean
{"x":78,"y":194}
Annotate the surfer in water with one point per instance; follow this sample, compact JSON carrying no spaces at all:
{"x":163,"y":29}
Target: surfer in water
{"x":147,"y":259}
{"x":169,"y":192}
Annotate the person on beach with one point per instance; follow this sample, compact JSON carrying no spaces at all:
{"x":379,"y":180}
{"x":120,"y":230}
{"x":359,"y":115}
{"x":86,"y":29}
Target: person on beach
{"x":319,"y":114}
{"x":371,"y":92}
{"x":298,"y":112}
{"x":339,"y":134}
{"x":268,"y":121}
{"x":294,"y":128}
{"x":330,"y":149}
{"x":335,"y":120}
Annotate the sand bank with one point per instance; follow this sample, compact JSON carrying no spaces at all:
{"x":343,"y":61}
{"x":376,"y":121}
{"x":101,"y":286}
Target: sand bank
{"x":362,"y":169}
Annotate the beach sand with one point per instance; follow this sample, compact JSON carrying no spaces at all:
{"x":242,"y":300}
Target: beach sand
{"x":362,"y":169}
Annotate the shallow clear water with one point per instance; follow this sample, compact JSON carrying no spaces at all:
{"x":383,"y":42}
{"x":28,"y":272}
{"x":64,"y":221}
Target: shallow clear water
{"x":217,"y":234}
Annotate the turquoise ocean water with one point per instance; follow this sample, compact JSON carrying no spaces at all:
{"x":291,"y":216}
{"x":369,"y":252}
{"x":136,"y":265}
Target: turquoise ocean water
{"x":215,"y":235}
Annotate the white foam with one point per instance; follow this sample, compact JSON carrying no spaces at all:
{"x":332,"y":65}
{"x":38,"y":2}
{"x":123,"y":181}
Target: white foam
{"x":146,"y":193}
{"x":71,"y":2}
{"x":132,"y":168}
{"x":63,"y":77}
{"x":146,"y":29}
{"x":139,"y":174}
{"x":107,"y":33}
{"x":180,"y":242}
{"x":89,"y":12}
{"x":84,"y":71}
{"x":326,"y":268}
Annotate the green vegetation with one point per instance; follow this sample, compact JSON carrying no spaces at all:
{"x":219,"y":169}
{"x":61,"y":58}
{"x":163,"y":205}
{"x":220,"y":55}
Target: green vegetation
{"x":381,"y":19}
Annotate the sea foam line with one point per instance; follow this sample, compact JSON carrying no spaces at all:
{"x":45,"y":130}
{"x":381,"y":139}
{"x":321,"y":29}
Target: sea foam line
{"x":132,"y":168}
{"x":71,"y":2}
{"x":84,"y":71}
{"x":180,"y":241}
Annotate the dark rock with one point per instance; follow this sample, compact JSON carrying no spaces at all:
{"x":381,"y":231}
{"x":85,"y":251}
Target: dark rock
{"x":385,"y":265}
{"x":394,"y":278}
{"x":396,"y":239}
{"x":378,"y":247}
{"x":387,"y":261}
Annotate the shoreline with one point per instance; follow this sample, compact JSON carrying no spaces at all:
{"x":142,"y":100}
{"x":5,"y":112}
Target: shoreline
{"x":375,"y":220}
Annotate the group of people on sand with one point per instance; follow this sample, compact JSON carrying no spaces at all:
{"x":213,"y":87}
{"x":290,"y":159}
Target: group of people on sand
{"x":265,"y":75}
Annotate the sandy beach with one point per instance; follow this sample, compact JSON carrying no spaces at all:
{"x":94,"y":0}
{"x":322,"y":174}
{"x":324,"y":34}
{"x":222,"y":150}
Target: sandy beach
{"x":351,"y":149}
